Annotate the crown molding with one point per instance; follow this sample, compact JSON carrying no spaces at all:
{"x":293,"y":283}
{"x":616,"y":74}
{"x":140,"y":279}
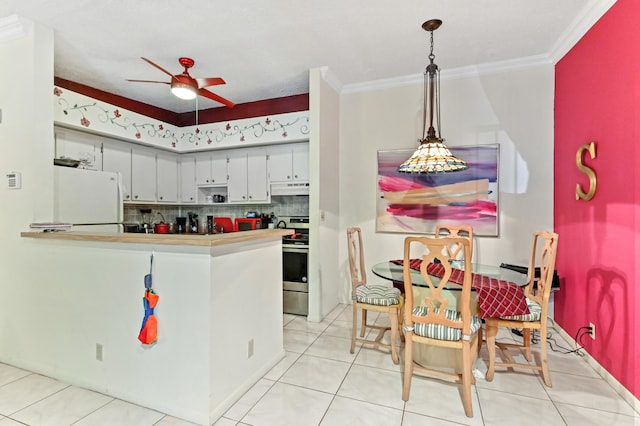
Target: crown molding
{"x":579,"y":27}
{"x":590,"y":14}
{"x":13,"y":26}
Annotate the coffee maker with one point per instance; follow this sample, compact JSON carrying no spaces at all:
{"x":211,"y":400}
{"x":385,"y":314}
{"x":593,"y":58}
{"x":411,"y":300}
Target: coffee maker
{"x":193,"y":222}
{"x":182,"y":224}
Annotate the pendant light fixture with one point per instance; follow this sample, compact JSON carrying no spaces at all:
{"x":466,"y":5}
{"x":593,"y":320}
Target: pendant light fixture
{"x":432,"y":156}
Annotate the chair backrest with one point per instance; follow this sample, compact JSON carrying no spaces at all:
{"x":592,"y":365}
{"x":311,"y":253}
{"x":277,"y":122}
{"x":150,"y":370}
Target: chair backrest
{"x":455,"y":251}
{"x":356,"y":259}
{"x":543,"y":255}
{"x":436,"y":301}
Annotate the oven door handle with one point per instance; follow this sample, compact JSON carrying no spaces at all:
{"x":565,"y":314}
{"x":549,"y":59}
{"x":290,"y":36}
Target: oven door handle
{"x":295,"y":249}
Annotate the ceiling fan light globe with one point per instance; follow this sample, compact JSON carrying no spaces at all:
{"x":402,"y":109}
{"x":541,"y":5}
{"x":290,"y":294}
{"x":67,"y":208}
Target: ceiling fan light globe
{"x":183,"y":91}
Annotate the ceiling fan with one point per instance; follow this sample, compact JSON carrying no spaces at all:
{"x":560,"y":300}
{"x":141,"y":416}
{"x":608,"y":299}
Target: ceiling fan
{"x":186,"y":87}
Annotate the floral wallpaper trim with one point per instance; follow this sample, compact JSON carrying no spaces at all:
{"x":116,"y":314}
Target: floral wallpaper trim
{"x":82,"y":111}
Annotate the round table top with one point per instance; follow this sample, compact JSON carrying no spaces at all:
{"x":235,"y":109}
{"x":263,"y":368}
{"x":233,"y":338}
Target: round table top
{"x":393,"y":272}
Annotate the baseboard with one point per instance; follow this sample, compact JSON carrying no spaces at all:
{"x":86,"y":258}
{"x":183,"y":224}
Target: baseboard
{"x":615,"y":384}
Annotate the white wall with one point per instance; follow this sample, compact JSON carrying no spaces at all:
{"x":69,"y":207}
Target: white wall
{"x":513,"y":109}
{"x":26,"y":146}
{"x":324,"y":208}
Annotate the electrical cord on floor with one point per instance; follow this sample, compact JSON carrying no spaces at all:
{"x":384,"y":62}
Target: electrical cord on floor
{"x":582,"y":331}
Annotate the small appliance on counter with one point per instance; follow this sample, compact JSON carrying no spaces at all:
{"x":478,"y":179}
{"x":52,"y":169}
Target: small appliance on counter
{"x":181,"y":223}
{"x":193,"y":222}
{"x":223,"y":224}
{"x":247,"y":224}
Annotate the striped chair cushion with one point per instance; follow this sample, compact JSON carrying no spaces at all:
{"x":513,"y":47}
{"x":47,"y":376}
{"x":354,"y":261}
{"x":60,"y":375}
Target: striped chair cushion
{"x":378,"y":295}
{"x":535,"y":311}
{"x":439,"y":331}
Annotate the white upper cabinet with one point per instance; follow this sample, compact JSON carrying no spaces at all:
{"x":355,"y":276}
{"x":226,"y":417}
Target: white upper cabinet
{"x":289,"y":163}
{"x":116,"y":157}
{"x":81,"y":146}
{"x":167,"y":177}
{"x":188,"y":178}
{"x":211,"y":168}
{"x":248,"y":176}
{"x":143,"y":176}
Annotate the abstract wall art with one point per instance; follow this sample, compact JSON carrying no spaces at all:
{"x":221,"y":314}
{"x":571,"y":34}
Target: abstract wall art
{"x":416,"y":203}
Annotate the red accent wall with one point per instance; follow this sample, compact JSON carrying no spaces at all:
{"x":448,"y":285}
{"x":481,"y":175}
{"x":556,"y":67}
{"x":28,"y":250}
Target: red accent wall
{"x":597,"y":98}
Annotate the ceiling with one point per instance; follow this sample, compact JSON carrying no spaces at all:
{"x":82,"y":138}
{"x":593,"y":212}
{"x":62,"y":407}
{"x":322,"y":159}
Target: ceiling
{"x":264,"y":49}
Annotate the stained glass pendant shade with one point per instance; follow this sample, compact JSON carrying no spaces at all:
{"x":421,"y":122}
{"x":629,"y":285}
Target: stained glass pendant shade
{"x":432,"y":156}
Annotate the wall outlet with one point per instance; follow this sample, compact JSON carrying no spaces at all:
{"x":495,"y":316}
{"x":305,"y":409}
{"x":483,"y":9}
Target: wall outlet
{"x":593,"y":330}
{"x":98,"y":352}
{"x":250,"y":348}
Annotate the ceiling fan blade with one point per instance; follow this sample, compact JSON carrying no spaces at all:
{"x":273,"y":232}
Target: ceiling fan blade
{"x":157,"y":66}
{"x":150,"y":81}
{"x":214,"y":97}
{"x":212,"y":81}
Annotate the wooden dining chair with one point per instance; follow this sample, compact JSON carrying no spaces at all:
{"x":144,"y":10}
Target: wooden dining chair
{"x":377,"y":298}
{"x":456,"y":231}
{"x":537,"y":291}
{"x":431,"y":322}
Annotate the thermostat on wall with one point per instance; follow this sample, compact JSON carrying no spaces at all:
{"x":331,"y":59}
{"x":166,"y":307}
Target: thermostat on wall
{"x":14,"y":180}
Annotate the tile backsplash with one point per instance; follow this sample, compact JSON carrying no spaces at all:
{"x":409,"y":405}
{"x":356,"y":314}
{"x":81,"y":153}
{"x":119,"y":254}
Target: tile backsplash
{"x":281,"y":205}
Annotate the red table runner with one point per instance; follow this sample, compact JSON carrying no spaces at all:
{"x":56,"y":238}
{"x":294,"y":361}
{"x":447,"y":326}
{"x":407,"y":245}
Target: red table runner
{"x":497,"y":298}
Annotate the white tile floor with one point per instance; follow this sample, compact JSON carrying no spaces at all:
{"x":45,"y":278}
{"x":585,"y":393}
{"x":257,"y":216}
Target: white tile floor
{"x":320,"y":383}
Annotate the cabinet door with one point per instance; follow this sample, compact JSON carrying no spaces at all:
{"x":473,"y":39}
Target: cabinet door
{"x":219,"y":171}
{"x":143,"y":176}
{"x":116,"y":157}
{"x":203,"y":169}
{"x":188,"y":179}
{"x":237,"y":169}
{"x":301,"y":162}
{"x":257,"y":185}
{"x":85,"y":147}
{"x":280,"y":163}
{"x":167,"y":177}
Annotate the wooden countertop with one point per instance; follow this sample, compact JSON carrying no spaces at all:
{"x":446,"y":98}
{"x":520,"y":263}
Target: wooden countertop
{"x":169,"y":239}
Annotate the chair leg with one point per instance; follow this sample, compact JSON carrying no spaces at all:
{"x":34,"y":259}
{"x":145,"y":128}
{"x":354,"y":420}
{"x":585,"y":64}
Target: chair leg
{"x":466,"y":380}
{"x":393,"y":318}
{"x":363,"y":327}
{"x":543,"y":357}
{"x":479,"y":339}
{"x":400,"y":311}
{"x":526,"y":341}
{"x":354,"y":326}
{"x":492,"y":331}
{"x":408,"y":365}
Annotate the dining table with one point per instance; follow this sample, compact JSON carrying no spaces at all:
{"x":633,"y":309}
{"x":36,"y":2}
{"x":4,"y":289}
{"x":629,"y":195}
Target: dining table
{"x":392,"y":270}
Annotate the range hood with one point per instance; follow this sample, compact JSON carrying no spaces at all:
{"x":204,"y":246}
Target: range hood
{"x":290,"y":188}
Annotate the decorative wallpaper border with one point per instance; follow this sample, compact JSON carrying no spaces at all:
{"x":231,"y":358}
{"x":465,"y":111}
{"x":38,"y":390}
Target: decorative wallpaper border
{"x":82,"y":112}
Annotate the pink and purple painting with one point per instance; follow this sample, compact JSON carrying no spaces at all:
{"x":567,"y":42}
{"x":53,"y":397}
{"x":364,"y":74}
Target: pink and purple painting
{"x":416,"y":203}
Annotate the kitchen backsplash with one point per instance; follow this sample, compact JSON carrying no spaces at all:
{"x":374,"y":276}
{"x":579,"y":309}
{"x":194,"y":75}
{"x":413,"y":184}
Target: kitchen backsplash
{"x":281,"y":205}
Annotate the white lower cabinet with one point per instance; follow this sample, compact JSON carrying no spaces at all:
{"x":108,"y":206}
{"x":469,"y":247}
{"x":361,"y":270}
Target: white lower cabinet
{"x":247,"y":170}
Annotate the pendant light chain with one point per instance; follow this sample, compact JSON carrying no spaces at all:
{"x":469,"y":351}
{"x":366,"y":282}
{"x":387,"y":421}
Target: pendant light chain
{"x":432,"y":155}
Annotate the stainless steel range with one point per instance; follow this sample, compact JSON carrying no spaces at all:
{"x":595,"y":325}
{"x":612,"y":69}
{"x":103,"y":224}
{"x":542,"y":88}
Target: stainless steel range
{"x":295,"y":268}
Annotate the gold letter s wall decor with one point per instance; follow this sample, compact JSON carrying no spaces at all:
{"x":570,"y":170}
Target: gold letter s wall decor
{"x":591,"y":148}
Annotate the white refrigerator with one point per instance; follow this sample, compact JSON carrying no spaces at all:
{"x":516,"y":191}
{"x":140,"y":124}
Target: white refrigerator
{"x":88,"y":199}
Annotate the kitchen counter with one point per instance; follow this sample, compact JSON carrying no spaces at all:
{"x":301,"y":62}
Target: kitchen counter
{"x":168,"y":239}
{"x":219,"y":315}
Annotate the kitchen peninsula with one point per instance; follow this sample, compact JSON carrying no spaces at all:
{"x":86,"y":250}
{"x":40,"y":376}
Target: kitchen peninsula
{"x":219,"y":315}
